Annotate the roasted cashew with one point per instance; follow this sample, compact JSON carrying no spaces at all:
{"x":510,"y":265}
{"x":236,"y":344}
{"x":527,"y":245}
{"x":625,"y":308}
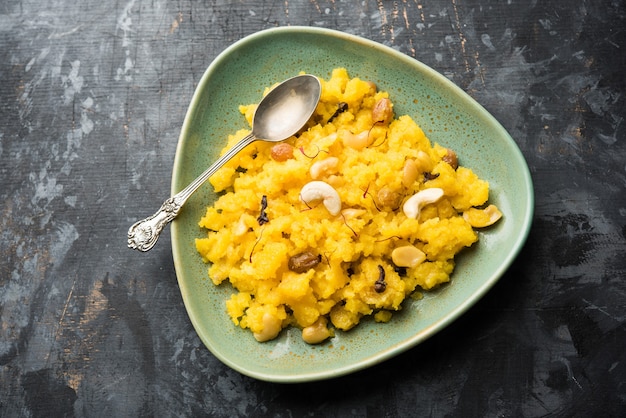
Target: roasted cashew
{"x":271,"y":328}
{"x":407,"y":256}
{"x":409,"y":173}
{"x":415,"y":203}
{"x":423,"y":162}
{"x":316,"y":333}
{"x":325,"y":166}
{"x":480,"y":218}
{"x":356,"y":141}
{"x":352,"y":213}
{"x":319,"y":190}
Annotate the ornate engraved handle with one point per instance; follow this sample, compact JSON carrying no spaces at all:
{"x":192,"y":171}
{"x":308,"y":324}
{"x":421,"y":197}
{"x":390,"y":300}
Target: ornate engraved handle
{"x":144,"y":234}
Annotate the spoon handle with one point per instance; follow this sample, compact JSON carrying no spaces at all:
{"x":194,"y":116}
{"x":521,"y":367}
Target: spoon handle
{"x":143,"y":234}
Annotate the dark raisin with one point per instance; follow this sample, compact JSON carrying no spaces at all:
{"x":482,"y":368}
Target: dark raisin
{"x":263,"y":219}
{"x":400,"y":270}
{"x":380,"y":286}
{"x":302,"y":262}
{"x":341,"y":107}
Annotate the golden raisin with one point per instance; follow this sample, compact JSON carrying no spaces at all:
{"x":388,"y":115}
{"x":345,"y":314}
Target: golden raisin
{"x":451,"y":159}
{"x":281,"y":152}
{"x":389,"y":199}
{"x":382,"y":111}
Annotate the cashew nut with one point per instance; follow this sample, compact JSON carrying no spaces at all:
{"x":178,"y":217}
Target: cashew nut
{"x":415,"y":203}
{"x":356,"y":141}
{"x":316,"y":333}
{"x":271,"y":328}
{"x":407,"y":256}
{"x":409,"y":173}
{"x":352,"y":213}
{"x":324,"y":166}
{"x":478,"y":218}
{"x":423,"y":162}
{"x":319,"y":190}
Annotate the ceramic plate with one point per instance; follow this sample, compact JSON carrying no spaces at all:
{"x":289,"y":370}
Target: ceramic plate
{"x":448,"y":116}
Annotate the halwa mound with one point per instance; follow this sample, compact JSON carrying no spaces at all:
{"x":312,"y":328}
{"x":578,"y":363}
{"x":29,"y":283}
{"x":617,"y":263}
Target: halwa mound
{"x":345,"y":219}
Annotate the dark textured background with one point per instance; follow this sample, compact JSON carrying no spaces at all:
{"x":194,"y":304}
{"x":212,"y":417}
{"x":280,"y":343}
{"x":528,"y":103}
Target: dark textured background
{"x":92,"y":99}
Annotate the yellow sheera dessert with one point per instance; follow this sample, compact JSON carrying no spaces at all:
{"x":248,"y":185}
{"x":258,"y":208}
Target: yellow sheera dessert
{"x":347,"y":218}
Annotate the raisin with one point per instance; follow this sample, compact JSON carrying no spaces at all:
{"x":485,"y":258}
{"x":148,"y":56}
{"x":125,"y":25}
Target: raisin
{"x":302,"y":262}
{"x":451,"y":159}
{"x":281,"y":152}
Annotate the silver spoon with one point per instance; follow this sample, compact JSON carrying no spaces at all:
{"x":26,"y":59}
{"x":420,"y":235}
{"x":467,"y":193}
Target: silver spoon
{"x":281,"y":114}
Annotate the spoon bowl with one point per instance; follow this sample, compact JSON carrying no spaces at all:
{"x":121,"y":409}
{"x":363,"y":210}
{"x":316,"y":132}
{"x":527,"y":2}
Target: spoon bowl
{"x":286,"y":108}
{"x":279,"y":115}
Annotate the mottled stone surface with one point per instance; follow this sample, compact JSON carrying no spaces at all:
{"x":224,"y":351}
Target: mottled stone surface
{"x":92,"y":98}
